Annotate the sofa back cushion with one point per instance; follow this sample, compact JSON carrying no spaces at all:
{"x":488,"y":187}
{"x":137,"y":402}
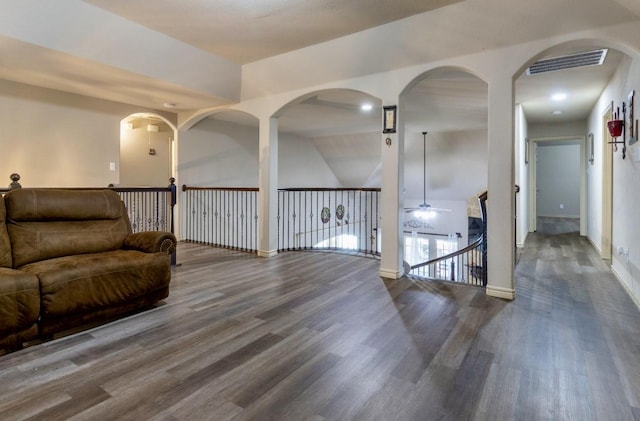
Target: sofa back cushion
{"x":48,"y":223}
{"x":5,"y":244}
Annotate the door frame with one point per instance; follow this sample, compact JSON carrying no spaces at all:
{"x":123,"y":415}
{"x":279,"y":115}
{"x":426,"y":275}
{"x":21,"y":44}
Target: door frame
{"x":607,"y":187}
{"x":533,"y":209}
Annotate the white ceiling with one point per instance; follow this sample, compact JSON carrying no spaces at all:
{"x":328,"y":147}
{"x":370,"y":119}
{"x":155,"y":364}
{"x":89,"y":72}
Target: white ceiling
{"x":244,"y":31}
{"x":114,"y":50}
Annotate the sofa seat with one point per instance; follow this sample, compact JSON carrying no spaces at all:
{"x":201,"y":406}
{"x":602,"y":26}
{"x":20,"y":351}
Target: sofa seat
{"x":19,"y":306}
{"x":79,"y":288}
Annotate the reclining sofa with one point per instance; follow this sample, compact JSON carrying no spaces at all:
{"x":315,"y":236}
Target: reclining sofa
{"x":69,"y":258}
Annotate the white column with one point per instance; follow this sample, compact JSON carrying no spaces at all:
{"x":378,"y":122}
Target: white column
{"x":392,"y":203}
{"x":268,"y":185}
{"x":501,"y":187}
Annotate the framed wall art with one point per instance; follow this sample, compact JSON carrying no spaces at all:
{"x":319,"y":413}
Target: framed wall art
{"x":389,"y":119}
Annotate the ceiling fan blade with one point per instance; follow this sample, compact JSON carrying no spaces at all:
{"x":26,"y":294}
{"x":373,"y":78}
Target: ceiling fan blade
{"x":427,"y":208}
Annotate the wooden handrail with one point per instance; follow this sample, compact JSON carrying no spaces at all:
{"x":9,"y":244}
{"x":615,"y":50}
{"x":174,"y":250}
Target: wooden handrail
{"x":191,"y":188}
{"x":466,"y":249}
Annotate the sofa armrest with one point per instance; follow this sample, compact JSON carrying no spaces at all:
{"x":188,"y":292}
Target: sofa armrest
{"x":151,"y":242}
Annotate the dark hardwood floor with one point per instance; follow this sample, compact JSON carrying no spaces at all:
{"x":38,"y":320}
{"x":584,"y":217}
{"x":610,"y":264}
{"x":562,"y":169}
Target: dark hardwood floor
{"x":319,"y":336}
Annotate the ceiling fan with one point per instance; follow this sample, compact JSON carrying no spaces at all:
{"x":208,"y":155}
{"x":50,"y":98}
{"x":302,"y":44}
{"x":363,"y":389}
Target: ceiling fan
{"x":424,"y":210}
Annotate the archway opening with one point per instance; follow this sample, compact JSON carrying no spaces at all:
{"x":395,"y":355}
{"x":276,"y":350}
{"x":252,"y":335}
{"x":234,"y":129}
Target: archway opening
{"x":146,"y":150}
{"x":329,"y":161}
{"x":445,"y":162}
{"x":559,"y":100}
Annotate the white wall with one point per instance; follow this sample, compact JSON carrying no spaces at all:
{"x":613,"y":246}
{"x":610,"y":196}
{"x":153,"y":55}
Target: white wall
{"x":626,"y":179}
{"x":215,"y":153}
{"x":547,"y":130}
{"x":456,"y":166}
{"x":301,"y":165}
{"x":138,"y":168}
{"x":56,"y":139}
{"x":353,"y":158}
{"x":558,"y":179}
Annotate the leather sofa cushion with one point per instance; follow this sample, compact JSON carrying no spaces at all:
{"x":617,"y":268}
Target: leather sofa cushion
{"x":19,"y":301}
{"x":34,"y":205}
{"x":82,"y":283}
{"x":35,"y":241}
{"x":44,"y":224}
{"x":5,"y":244}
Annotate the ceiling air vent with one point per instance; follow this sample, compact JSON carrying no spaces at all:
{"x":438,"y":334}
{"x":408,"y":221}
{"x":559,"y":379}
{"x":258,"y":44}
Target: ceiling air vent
{"x":588,"y":58}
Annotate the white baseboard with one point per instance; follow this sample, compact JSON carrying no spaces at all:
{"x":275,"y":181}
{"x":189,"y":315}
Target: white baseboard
{"x":500,"y":292}
{"x":267,"y":253}
{"x":391,"y":273}
{"x":626,"y":288}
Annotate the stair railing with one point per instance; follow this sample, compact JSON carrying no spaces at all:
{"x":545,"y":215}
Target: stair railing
{"x":467,"y":265}
{"x":464,"y":265}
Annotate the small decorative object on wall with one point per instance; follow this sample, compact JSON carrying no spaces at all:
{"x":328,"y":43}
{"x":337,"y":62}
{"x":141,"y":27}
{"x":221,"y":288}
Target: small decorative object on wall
{"x":325,"y":215}
{"x":389,"y":119}
{"x":633,"y":124}
{"x":591,"y":148}
{"x":616,"y":128}
{"x":340,"y":212}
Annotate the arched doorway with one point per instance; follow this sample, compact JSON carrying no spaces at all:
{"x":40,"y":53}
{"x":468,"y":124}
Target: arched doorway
{"x":146,"y":150}
{"x":329,"y":171}
{"x":445,"y":163}
{"x":560,"y":93}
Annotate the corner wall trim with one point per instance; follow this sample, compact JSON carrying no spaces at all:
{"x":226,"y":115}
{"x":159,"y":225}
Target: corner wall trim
{"x":267,"y":253}
{"x":500,"y":292}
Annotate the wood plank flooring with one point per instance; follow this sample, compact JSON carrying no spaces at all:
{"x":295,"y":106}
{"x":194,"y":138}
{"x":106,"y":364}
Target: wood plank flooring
{"x":320,"y":336}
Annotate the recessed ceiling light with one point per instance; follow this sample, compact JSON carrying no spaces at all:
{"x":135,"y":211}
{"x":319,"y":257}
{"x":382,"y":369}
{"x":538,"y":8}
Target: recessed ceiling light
{"x":556,"y":112}
{"x":169,"y":105}
{"x":560,"y":96}
{"x":366,"y":107}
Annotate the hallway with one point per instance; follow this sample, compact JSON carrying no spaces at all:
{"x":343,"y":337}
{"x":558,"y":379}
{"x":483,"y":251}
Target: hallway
{"x":578,"y":328}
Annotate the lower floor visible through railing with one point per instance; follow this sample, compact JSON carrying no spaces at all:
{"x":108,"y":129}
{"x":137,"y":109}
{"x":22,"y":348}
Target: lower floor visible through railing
{"x":307,"y":218}
{"x":341,"y":219}
{"x":466,"y":265}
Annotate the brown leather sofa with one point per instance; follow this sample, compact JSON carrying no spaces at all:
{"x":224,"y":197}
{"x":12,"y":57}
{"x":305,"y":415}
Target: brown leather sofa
{"x":69,"y":258}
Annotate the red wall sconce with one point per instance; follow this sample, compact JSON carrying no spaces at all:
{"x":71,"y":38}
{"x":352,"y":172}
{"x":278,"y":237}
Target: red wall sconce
{"x":616,"y":128}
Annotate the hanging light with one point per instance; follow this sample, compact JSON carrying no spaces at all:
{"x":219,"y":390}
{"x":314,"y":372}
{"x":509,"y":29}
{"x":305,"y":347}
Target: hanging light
{"x":424,"y":211}
{"x":151,"y":128}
